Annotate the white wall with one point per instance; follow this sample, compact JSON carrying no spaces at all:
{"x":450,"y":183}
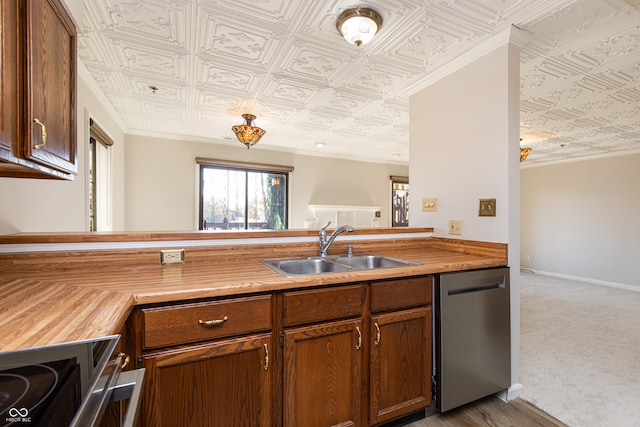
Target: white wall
{"x":464,"y":144}
{"x":580,"y":219}
{"x":161,"y":190}
{"x":35,"y":205}
{"x":460,"y":143}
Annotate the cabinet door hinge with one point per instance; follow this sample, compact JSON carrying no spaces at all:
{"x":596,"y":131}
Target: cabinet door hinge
{"x":139,"y":362}
{"x":281,"y":339}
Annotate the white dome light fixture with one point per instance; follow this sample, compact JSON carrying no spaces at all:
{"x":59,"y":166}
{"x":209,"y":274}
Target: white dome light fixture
{"x":359,"y":25}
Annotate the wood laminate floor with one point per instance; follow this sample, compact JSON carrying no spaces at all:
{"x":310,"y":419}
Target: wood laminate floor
{"x":491,"y":412}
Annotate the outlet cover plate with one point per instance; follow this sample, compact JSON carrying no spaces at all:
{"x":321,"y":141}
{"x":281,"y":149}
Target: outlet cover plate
{"x":455,"y":226}
{"x":172,"y":256}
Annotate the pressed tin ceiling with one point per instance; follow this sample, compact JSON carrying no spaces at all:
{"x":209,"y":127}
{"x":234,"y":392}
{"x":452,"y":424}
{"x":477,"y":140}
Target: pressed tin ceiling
{"x":190,"y":68}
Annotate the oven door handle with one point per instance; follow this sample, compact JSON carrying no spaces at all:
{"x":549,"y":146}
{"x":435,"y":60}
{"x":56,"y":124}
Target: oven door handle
{"x":129,"y":386}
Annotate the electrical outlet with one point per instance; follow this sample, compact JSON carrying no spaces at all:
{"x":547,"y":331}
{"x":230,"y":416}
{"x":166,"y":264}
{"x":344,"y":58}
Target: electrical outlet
{"x":429,"y":204}
{"x":455,"y":226}
{"x":172,"y":256}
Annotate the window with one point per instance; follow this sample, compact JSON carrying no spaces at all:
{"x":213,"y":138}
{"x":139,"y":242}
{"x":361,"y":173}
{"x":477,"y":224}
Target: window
{"x":242,"y":196}
{"x":399,"y":201}
{"x":99,"y":175}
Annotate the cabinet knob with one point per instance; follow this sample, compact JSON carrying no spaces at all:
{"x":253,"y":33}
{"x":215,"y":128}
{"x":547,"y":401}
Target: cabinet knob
{"x":43,"y":132}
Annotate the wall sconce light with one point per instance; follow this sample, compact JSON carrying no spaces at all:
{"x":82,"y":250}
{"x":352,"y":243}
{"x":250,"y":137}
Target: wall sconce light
{"x":359,"y":25}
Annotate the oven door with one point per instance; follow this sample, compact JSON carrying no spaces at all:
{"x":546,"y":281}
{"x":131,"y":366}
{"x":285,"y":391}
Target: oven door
{"x":70,"y":383}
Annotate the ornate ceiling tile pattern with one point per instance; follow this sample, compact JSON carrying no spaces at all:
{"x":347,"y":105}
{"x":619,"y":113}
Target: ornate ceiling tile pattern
{"x":191,"y":68}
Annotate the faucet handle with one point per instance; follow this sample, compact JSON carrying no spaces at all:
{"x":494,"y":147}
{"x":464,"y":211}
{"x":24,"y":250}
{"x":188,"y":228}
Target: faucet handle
{"x":326,"y":226}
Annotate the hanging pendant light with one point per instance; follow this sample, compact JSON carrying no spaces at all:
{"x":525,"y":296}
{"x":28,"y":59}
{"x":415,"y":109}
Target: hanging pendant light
{"x":246,"y":133}
{"x":524,"y":152}
{"x":359,"y":25}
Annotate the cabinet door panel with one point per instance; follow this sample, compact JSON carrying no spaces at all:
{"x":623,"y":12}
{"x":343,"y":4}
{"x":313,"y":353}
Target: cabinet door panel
{"x":322,"y":378}
{"x":51,"y":86}
{"x":9,"y":76}
{"x":219,"y":384}
{"x":400,"y":363}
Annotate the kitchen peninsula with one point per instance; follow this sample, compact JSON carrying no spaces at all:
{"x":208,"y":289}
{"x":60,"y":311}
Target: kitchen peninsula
{"x":101,"y":284}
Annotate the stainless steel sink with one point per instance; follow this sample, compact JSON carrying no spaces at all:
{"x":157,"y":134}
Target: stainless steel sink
{"x":291,"y":267}
{"x":371,"y":262}
{"x":302,"y":266}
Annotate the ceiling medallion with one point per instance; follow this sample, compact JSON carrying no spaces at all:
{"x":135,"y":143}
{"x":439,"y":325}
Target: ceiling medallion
{"x":359,"y":25}
{"x":248,"y":134}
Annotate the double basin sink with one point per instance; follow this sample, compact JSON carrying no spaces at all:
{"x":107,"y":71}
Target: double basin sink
{"x":291,"y":267}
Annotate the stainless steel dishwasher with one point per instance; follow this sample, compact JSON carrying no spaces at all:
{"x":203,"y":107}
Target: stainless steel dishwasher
{"x":473,"y":336}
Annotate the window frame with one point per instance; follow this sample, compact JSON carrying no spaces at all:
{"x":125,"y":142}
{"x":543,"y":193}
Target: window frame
{"x":246,"y":167}
{"x":395,"y":179}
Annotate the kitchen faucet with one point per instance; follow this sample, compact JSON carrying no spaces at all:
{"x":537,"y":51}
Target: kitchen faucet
{"x":325,"y":243}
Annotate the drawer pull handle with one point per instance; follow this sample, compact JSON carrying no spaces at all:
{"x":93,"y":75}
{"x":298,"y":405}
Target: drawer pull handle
{"x":266,"y":357}
{"x":377,"y":341}
{"x":126,"y":360}
{"x":359,"y":338}
{"x":213,"y":322}
{"x":44,"y":134}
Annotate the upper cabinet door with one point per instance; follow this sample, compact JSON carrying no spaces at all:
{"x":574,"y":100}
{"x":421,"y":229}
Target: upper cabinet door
{"x":50,"y":135}
{"x":9,"y":77}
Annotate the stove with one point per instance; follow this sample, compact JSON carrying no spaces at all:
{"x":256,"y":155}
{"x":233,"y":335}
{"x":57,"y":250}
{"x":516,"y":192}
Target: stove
{"x":65,"y":385}
{"x":39,"y":392}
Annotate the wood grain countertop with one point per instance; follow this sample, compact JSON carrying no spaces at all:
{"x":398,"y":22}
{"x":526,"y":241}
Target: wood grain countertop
{"x":54,"y":298}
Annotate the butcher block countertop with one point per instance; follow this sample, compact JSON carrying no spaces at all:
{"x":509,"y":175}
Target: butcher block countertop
{"x":54,"y":297}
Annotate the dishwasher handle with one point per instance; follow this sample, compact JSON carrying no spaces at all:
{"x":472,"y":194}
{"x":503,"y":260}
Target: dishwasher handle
{"x":476,"y":289}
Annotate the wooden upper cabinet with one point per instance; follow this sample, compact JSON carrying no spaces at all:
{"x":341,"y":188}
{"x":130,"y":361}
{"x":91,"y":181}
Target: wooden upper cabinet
{"x":9,"y":74}
{"x":41,"y":133}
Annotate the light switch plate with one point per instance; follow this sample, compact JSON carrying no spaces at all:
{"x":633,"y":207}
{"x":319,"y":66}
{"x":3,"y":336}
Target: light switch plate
{"x":487,"y":207}
{"x":429,"y":204}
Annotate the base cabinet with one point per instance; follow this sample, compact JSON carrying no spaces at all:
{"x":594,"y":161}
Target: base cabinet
{"x":400,"y":364}
{"x":322,"y":375}
{"x":348,"y":355}
{"x":219,"y":384}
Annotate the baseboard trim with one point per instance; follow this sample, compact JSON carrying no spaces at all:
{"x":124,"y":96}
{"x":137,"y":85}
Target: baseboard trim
{"x":585,"y":279}
{"x":511,"y":393}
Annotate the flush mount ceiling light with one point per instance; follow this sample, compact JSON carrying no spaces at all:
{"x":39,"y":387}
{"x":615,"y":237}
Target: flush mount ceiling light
{"x":248,"y":134}
{"x":358,"y":25}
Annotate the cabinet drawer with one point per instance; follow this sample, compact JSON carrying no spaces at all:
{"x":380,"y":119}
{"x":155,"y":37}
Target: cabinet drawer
{"x":318,"y":305}
{"x":179,"y":324}
{"x":398,"y":294}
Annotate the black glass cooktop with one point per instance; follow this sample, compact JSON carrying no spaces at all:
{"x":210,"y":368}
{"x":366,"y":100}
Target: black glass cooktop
{"x":46,"y":386}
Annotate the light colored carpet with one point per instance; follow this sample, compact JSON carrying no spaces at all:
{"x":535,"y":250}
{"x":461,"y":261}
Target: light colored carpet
{"x":580,"y":351}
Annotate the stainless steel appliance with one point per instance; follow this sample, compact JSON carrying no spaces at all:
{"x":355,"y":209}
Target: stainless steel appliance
{"x":66,"y":384}
{"x":473,"y":336}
